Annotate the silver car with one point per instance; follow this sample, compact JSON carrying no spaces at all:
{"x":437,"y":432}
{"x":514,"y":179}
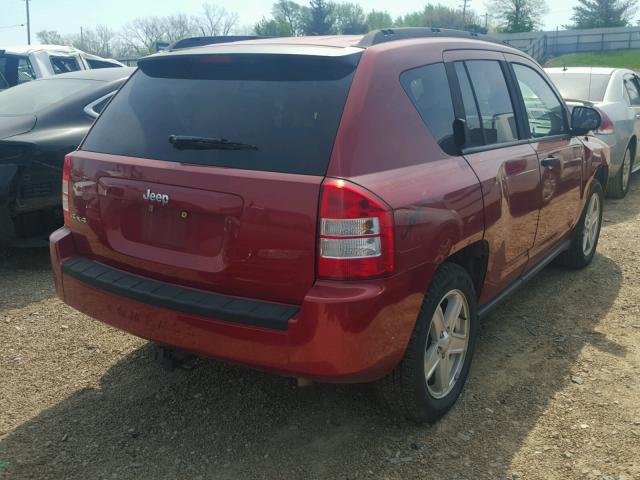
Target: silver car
{"x":616,"y":93}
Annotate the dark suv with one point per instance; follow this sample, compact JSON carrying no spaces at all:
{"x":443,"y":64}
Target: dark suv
{"x":332,"y":208}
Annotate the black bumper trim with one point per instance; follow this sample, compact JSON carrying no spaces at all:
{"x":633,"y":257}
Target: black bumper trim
{"x":195,"y":302}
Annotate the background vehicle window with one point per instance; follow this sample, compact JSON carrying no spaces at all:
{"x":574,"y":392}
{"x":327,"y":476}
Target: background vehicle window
{"x":64,"y":64}
{"x":544,"y":111}
{"x":428,"y":89}
{"x":14,"y":70}
{"x":100,"y":64}
{"x":493,"y":101}
{"x":581,"y":86}
{"x":95,"y":109}
{"x":25,"y":70}
{"x":632,"y":90}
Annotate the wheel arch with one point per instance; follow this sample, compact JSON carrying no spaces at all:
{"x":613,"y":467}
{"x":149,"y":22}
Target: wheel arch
{"x":474,"y":258}
{"x":633,"y":143}
{"x":602,"y":175}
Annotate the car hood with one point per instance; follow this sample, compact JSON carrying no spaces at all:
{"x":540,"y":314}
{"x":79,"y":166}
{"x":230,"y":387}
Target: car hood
{"x":11,"y":125}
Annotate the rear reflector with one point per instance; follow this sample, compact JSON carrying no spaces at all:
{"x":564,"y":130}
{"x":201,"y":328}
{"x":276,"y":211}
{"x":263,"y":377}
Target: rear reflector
{"x":66,"y":175}
{"x":356,"y":233}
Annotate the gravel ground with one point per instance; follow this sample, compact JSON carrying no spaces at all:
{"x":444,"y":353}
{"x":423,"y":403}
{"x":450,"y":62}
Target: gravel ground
{"x":553,"y":393}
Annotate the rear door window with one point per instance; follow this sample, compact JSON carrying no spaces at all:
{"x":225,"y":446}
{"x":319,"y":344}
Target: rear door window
{"x":428,"y":89}
{"x":474,"y":134}
{"x":15,"y":69}
{"x":633,"y":95}
{"x":25,"y":70}
{"x":489,"y":113}
{"x":100,"y":63}
{"x":286,"y":106}
{"x":64,"y":64}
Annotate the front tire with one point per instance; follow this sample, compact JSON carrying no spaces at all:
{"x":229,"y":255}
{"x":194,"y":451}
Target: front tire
{"x":587,"y":231}
{"x":428,"y":380}
{"x":619,"y":184}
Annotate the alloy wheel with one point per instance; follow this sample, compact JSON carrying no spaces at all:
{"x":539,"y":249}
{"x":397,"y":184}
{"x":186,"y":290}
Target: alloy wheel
{"x":591,"y":225}
{"x":447,"y":343}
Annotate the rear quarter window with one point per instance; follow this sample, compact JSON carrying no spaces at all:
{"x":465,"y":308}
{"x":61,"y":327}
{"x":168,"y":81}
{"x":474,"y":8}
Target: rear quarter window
{"x":287,"y":106}
{"x":429,"y":91}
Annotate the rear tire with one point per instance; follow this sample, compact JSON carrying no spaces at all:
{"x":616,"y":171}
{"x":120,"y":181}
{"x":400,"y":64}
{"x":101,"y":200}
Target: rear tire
{"x":441,"y":345}
{"x":619,"y":184}
{"x":587,"y":231}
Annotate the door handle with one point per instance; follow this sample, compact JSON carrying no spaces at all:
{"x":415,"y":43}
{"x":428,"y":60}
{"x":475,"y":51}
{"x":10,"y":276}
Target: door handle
{"x":550,"y":161}
{"x":637,"y":115}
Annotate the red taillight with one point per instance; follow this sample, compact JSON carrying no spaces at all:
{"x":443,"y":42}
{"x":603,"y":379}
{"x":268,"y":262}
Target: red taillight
{"x":66,"y":175}
{"x":606,"y":127}
{"x":356,"y":233}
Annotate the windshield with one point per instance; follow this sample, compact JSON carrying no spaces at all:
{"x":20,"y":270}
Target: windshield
{"x":581,"y":86}
{"x":283,"y":109}
{"x":35,"y":96}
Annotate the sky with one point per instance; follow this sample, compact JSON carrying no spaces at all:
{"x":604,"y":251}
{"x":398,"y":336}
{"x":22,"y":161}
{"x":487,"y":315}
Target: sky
{"x":67,"y":16}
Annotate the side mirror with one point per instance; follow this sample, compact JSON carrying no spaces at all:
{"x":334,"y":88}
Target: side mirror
{"x":584,"y":120}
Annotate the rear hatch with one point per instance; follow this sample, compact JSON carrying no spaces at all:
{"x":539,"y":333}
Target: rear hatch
{"x":205,"y":169}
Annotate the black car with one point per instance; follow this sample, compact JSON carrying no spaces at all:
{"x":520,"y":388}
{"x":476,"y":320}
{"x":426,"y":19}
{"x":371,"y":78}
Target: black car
{"x":40,"y":122}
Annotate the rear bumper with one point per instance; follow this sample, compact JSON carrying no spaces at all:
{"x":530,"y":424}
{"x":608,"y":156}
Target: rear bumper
{"x":343,"y":331}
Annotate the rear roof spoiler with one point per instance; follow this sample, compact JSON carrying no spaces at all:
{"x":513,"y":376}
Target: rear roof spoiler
{"x":200,"y":41}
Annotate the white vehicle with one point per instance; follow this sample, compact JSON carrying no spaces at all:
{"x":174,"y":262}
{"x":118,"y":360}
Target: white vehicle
{"x":25,"y":63}
{"x":616,"y":93}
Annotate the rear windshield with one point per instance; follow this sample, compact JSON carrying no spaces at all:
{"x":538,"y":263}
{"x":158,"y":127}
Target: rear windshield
{"x":286,"y":107}
{"x":34,"y":97}
{"x":581,"y":86}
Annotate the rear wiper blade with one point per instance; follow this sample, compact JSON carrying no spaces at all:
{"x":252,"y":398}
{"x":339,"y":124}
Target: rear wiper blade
{"x":185,"y":142}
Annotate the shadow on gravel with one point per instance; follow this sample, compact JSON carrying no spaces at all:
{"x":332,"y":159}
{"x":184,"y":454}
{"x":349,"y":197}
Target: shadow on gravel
{"x":25,"y":277}
{"x":222,"y":421}
{"x":621,"y":210}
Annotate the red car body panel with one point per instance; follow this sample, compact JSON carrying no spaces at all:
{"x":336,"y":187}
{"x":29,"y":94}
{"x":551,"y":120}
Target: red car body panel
{"x":345,"y":331}
{"x":262,"y":246}
{"x":266,"y":246}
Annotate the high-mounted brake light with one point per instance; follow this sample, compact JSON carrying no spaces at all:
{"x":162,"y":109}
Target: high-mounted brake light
{"x":606,"y":126}
{"x":356,"y":233}
{"x":66,"y":175}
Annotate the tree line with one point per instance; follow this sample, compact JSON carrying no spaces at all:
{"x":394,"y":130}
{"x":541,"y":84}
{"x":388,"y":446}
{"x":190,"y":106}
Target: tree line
{"x":320,"y":17}
{"x":323,"y":17}
{"x":139,"y":37}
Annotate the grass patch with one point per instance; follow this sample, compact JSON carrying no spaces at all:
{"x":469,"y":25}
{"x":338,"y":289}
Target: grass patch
{"x":611,"y":58}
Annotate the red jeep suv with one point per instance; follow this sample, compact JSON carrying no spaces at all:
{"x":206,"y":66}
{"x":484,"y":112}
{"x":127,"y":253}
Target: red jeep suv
{"x":336,"y":208}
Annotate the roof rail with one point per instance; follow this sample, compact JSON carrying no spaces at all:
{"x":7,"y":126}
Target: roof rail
{"x":390,"y":34}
